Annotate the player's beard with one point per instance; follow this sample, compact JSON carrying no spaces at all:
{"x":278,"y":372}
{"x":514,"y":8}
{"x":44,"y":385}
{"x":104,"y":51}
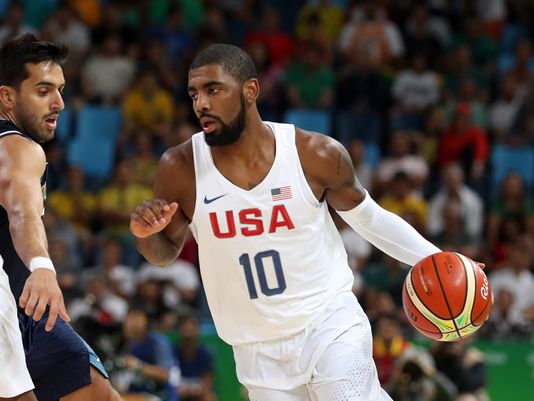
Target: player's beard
{"x":231,"y":132}
{"x":32,"y":125}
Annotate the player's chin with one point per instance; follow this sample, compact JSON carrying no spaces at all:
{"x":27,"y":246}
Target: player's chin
{"x":46,"y":135}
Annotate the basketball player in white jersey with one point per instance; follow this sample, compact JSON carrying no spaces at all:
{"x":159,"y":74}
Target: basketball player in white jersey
{"x":255,"y":195}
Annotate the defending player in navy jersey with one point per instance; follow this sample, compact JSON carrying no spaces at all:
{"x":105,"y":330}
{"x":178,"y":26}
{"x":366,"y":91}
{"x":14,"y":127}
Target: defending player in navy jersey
{"x":255,"y":195}
{"x":57,"y":359}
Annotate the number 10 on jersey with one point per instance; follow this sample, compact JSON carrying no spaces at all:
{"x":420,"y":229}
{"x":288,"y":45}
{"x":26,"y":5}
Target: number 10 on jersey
{"x":258,"y":261}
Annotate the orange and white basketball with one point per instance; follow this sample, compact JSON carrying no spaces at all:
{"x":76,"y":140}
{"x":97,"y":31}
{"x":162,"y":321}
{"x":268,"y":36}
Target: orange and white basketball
{"x":447,"y":296}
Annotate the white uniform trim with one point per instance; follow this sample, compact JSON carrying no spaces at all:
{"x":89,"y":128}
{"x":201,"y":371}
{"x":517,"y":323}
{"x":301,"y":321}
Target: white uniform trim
{"x":15,"y":378}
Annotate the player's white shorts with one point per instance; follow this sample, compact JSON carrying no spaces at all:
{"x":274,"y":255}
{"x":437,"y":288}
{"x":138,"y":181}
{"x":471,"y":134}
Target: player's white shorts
{"x":14,"y":379}
{"x":331,"y":360}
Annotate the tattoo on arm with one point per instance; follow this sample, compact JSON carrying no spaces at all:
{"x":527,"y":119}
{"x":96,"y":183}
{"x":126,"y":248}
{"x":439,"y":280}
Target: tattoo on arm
{"x":347,"y":169}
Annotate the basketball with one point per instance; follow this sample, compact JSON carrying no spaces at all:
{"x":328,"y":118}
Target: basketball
{"x":446,"y":296}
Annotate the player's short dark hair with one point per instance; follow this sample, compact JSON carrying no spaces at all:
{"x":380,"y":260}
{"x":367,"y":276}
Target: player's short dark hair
{"x":233,"y":60}
{"x":24,"y":49}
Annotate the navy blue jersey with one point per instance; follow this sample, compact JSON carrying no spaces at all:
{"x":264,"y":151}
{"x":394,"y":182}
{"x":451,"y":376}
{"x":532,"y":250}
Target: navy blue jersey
{"x":58,"y":361}
{"x":13,"y":265}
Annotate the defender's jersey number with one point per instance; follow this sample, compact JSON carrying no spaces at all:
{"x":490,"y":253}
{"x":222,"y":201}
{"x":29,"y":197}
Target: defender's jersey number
{"x":259,"y":258}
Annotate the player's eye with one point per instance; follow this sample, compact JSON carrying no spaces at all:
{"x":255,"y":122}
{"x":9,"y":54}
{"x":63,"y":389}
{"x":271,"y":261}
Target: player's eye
{"x":213,"y":91}
{"x":43,"y":92}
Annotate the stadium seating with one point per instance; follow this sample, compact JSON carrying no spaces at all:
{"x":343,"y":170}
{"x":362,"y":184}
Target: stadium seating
{"x":505,"y":159}
{"x":95,"y":136}
{"x":351,"y":125}
{"x":312,"y":120}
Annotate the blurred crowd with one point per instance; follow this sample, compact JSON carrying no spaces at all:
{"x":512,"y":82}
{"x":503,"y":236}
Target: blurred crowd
{"x":433,"y":99}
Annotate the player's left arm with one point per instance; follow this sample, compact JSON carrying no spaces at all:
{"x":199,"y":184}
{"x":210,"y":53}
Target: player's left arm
{"x":330,"y":172}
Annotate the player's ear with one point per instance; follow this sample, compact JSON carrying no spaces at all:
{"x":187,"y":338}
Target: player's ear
{"x":251,"y":90}
{"x":7,"y":96}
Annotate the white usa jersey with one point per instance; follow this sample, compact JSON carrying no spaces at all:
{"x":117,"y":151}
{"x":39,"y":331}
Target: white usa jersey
{"x":271,"y":257}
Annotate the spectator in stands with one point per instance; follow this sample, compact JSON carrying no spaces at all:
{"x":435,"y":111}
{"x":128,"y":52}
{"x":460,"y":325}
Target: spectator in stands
{"x":270,"y":78}
{"x":463,"y":364}
{"x":517,"y":278}
{"x":119,"y":278}
{"x":523,"y":125}
{"x":388,"y":345}
{"x":97,"y":304}
{"x":417,"y":88}
{"x":178,"y":40}
{"x":115,"y":203}
{"x":13,"y":23}
{"x":63,"y":26}
{"x":399,"y":198}
{"x":112,"y":23}
{"x":426,"y":34}
{"x":471,"y":94}
{"x":309,"y":81}
{"x":371,"y":38}
{"x":461,"y":66}
{"x":465,"y":144}
{"x":453,"y":236}
{"x":386,"y":274}
{"x":504,"y":111}
{"x":75,"y":203}
{"x":329,"y":17}
{"x":148,"y":105}
{"x":416,"y":378}
{"x":401,"y":158}
{"x":107,"y":73}
{"x":454,"y":190}
{"x":143,"y":157}
{"x":149,"y":358}
{"x":484,"y":49}
{"x":59,"y":228}
{"x":281,"y":46}
{"x":521,"y":64}
{"x":196,"y":362}
{"x":505,"y":323}
{"x":512,"y":200}
{"x":67,"y":273}
{"x":179,"y":282}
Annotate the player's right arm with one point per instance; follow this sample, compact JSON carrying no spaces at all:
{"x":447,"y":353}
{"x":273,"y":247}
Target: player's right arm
{"x":22,"y":163}
{"x":160,"y":227}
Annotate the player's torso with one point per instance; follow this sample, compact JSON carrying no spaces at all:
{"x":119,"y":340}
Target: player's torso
{"x":271,"y":256}
{"x":11,"y":262}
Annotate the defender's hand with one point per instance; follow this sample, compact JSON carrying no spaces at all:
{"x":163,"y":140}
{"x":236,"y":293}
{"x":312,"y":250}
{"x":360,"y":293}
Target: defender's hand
{"x":151,"y":217}
{"x":40,"y":290}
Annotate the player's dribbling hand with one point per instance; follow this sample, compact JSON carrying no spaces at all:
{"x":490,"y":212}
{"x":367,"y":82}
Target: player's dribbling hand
{"x":41,"y":290}
{"x":151,"y":217}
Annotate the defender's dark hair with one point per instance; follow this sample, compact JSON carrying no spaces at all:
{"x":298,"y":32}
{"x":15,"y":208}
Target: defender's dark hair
{"x":24,"y":49}
{"x":233,"y":60}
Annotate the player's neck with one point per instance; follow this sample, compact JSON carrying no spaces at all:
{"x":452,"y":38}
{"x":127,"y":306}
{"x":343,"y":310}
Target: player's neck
{"x":8,"y":115}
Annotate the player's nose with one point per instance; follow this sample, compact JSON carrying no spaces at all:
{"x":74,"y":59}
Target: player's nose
{"x":58,"y":103}
{"x":202,"y":104}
